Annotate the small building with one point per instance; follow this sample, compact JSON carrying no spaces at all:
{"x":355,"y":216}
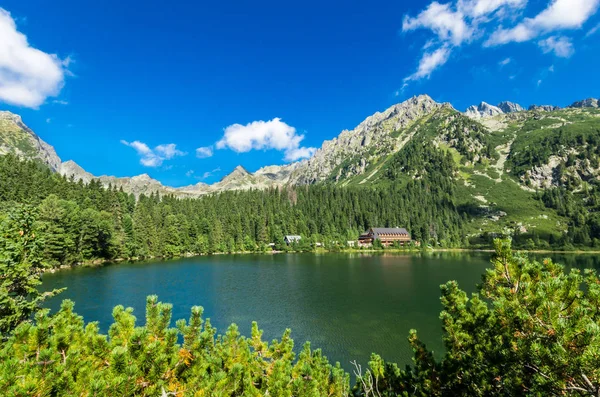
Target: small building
{"x":387,"y":235}
{"x":292,"y":239}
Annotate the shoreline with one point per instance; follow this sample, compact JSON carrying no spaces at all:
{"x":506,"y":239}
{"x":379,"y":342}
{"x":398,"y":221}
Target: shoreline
{"x":107,"y":262}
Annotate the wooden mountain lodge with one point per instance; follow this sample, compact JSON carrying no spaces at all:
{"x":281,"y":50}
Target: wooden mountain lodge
{"x":387,"y":235}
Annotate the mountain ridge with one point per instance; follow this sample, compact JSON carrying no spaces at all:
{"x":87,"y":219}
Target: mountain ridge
{"x":349,"y":155}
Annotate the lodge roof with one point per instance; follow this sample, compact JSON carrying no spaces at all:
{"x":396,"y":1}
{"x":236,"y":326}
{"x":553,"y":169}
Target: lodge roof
{"x":389,"y":230}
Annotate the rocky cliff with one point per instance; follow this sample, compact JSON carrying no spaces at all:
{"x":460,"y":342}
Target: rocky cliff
{"x":483,"y":110}
{"x":378,"y":135}
{"x":17,"y":138}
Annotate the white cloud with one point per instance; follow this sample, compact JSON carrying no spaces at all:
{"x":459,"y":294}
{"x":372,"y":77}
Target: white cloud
{"x":48,"y":120}
{"x":453,"y":24}
{"x":559,"y":15}
{"x":60,"y":102}
{"x":299,"y":153}
{"x":259,"y":135}
{"x":561,"y":46}
{"x":429,"y":62}
{"x":480,"y":8}
{"x":544,"y":73}
{"x":27,"y":75}
{"x":447,"y":24}
{"x":154,"y":157}
{"x":505,"y":62}
{"x":208,"y":174}
{"x":592,"y":30}
{"x":168,"y":151}
{"x":204,"y":152}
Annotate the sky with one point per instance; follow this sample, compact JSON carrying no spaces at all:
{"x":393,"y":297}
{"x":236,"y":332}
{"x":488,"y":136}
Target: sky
{"x":186,"y":91}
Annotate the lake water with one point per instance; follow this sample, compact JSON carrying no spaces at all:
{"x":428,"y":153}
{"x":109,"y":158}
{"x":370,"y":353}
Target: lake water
{"x":349,"y":305}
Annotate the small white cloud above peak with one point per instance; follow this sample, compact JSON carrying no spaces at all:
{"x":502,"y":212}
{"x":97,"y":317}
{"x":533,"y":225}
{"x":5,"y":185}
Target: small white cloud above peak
{"x":429,"y":63}
{"x":204,"y":152}
{"x":561,"y":46}
{"x":592,"y":31}
{"x":505,"y":61}
{"x":265,"y":135}
{"x":28,"y":76}
{"x":444,"y":21}
{"x":154,"y":157}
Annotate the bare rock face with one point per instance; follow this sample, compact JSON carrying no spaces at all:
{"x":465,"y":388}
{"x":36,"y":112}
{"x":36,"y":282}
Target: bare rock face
{"x":510,"y":107}
{"x":483,"y":110}
{"x":71,"y":169}
{"x":17,"y":138}
{"x":544,"y":108}
{"x":586,"y":103}
{"x":378,"y":135}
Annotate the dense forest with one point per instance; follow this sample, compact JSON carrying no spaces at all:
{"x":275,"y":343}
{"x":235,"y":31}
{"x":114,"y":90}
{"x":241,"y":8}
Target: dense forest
{"x":86,"y":221}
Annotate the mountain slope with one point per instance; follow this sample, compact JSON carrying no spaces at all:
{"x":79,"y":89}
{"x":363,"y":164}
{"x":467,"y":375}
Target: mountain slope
{"x":353,"y":152}
{"x":17,"y":138}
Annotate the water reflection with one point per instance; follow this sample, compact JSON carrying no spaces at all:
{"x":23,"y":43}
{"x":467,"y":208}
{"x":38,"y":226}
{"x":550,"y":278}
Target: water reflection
{"x":349,"y":305}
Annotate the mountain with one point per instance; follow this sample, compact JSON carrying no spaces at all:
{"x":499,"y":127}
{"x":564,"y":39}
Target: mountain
{"x":379,"y":135}
{"x":509,"y":107}
{"x":482,"y":110}
{"x":361,"y":155}
{"x":544,"y":108}
{"x":17,"y":138}
{"x":586,"y":103}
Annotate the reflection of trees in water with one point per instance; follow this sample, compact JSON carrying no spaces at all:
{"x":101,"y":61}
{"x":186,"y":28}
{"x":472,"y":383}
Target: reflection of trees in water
{"x":578,"y":261}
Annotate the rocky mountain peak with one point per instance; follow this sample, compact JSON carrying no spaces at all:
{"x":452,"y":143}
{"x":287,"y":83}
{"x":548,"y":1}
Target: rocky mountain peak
{"x":17,"y":138}
{"x":484,"y":109}
{"x":6,"y":115}
{"x":544,"y":108}
{"x":586,"y":103}
{"x":239,"y":173}
{"x":378,"y":135}
{"x":510,"y":107}
{"x":143,"y":178}
{"x":71,"y":169}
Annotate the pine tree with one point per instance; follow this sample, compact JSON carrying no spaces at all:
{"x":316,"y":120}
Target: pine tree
{"x":20,"y":268}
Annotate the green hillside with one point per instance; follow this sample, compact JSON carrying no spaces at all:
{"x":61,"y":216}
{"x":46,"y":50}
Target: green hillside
{"x":500,"y":168}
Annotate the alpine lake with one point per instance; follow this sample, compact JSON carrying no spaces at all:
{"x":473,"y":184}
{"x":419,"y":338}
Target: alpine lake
{"x":347,"y":304}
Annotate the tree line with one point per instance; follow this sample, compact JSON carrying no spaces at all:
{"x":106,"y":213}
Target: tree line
{"x":82,"y":222}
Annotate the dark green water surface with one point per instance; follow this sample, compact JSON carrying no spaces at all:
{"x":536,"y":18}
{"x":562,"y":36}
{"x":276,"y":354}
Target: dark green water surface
{"x":349,"y":305}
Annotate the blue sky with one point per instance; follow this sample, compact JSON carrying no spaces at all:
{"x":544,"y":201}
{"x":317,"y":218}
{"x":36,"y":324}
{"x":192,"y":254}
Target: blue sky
{"x":185,"y":91}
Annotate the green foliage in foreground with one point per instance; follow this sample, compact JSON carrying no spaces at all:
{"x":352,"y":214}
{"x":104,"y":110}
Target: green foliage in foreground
{"x":59,"y":355}
{"x":20,"y":267}
{"x":532,"y":329}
